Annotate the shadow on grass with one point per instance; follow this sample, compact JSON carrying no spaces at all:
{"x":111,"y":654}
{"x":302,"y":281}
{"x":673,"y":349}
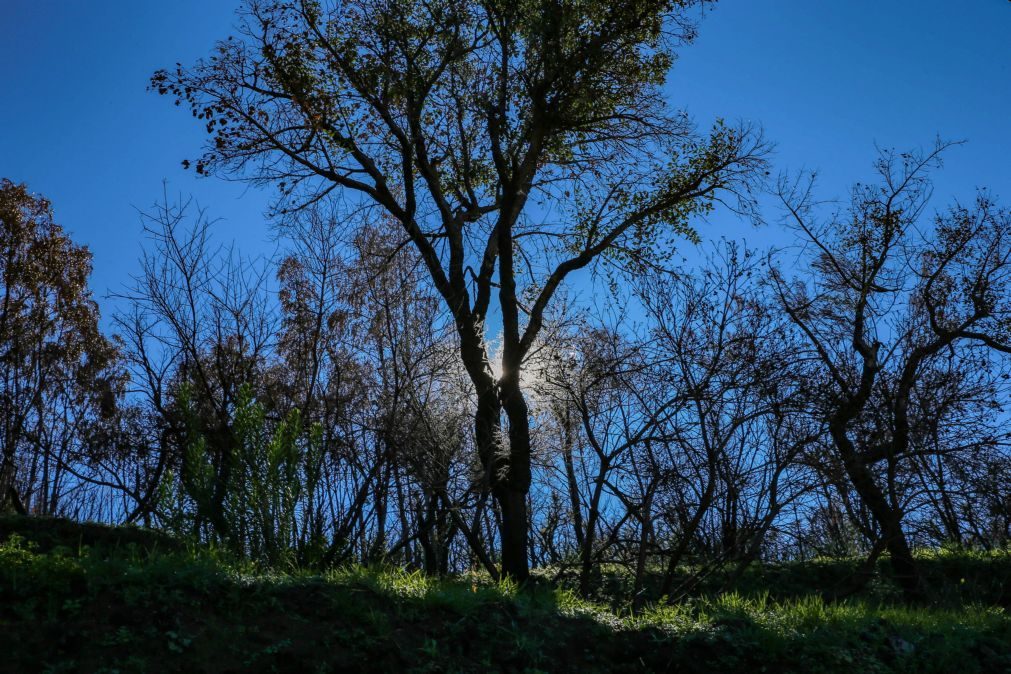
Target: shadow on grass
{"x":953,"y":578}
{"x":136,"y":608}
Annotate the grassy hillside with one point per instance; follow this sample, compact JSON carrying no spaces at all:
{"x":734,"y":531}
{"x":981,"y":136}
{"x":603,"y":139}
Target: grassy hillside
{"x":95,"y":599}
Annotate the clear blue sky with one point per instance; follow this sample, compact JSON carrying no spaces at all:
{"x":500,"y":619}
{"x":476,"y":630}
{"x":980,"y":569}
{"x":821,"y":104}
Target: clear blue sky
{"x":826,"y":79}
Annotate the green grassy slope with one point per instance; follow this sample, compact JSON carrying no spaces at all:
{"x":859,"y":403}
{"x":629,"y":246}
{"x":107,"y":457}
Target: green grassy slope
{"x":97,"y":599}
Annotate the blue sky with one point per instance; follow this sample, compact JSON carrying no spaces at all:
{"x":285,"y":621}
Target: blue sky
{"x":826,"y":80}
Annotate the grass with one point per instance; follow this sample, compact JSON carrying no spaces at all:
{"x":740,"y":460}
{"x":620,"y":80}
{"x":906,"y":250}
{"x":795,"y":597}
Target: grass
{"x":955,"y":578}
{"x":111,"y":600}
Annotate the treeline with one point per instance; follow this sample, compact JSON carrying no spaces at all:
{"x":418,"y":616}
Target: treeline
{"x":408,"y":383}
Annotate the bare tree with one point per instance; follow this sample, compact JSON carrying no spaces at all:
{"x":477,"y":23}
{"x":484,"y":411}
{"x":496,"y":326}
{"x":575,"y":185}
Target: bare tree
{"x":726,"y":460}
{"x":894,"y":310}
{"x":196,"y":315}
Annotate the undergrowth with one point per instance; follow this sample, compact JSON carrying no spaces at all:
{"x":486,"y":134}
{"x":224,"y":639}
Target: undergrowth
{"x":134,"y":604}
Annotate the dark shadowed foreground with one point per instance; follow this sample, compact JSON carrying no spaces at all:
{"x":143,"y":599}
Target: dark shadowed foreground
{"x":90,"y":598}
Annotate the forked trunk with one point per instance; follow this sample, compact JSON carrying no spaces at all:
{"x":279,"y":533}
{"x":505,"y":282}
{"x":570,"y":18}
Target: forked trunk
{"x":889,"y":519}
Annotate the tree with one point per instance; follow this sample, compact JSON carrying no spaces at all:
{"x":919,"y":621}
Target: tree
{"x":57,"y":371}
{"x":514,"y":143}
{"x":596,"y":391}
{"x":725,"y":458}
{"x":196,"y":316}
{"x":360,"y":346}
{"x":901,"y":317}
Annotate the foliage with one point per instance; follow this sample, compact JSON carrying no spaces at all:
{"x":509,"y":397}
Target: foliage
{"x":272,"y":481}
{"x":443,"y":169}
{"x":59,"y":375}
{"x":461,"y":124}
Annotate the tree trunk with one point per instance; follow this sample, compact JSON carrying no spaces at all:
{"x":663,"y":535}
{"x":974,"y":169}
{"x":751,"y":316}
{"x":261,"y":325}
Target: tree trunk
{"x":511,"y":493}
{"x":572,"y":482}
{"x":642,"y":557}
{"x":426,"y":529}
{"x":13,"y":502}
{"x":590,"y":534}
{"x":686,"y":536}
{"x":507,"y":469}
{"x":513,"y":532}
{"x":888,"y":519}
{"x":9,"y":497}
